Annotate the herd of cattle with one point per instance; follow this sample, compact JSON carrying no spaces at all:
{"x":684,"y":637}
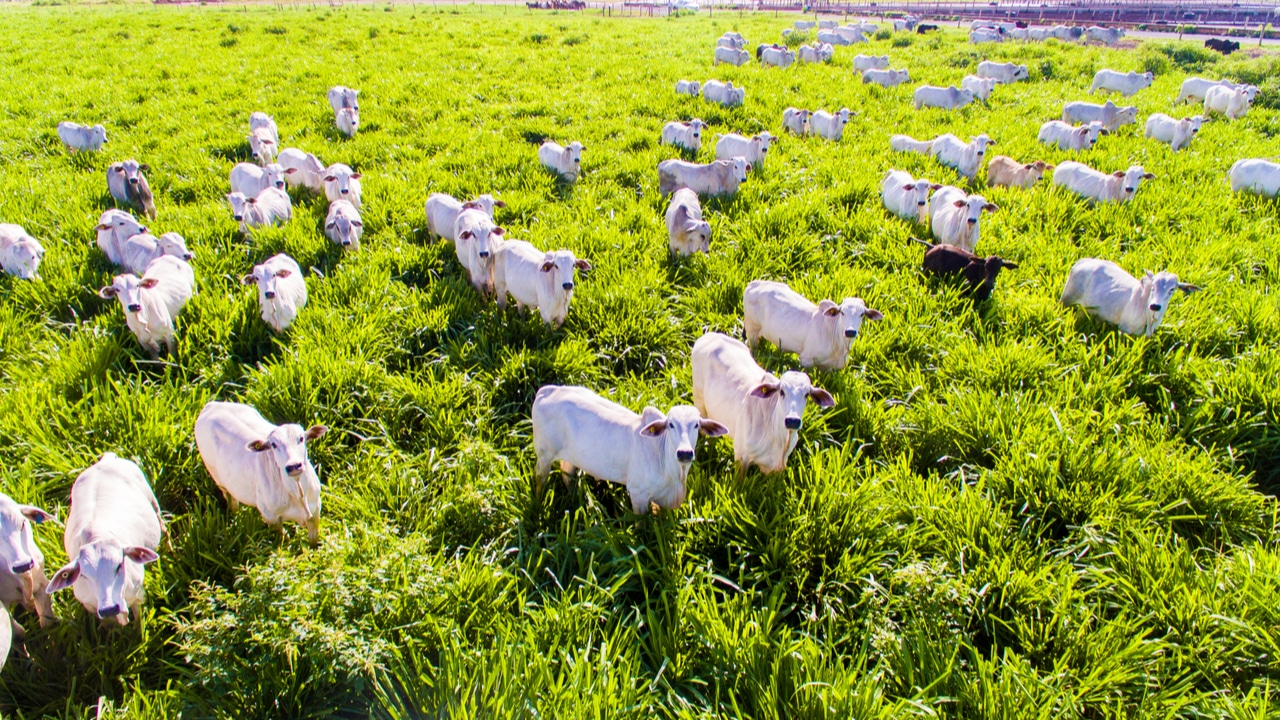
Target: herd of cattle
{"x":114,"y":523}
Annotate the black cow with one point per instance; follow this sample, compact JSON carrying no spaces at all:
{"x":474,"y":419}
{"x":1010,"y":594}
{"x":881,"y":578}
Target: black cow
{"x":979,"y":272}
{"x":1226,"y":47}
{"x":922,"y":29}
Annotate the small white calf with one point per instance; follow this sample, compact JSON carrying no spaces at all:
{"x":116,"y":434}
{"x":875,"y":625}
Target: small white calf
{"x":475,"y":240}
{"x":946,"y":98}
{"x":343,"y":225}
{"x":113,"y":530}
{"x":1067,"y":137}
{"x":985,"y":35}
{"x":152,"y":303}
{"x":1112,"y":116}
{"x":906,"y":196}
{"x":1106,"y":291}
{"x":820,"y":334}
{"x":82,"y":137}
{"x":776,"y":56}
{"x":1124,"y":83}
{"x":128,"y":186}
{"x":1090,"y":184}
{"x":564,"y":161}
{"x":282,"y":292}
{"x":342,"y":183}
{"x":271,"y":207}
{"x":829,"y":126}
{"x":732,"y":56}
{"x":754,"y":149}
{"x":966,"y":158}
{"x":796,"y":121}
{"x":250,"y":180}
{"x":140,"y":250}
{"x":723,"y":93}
{"x":1195,"y":89}
{"x":442,"y":212}
{"x":302,"y":169}
{"x":1255,"y":175}
{"x":980,"y":87}
{"x":886,"y":78}
{"x":343,"y":97}
{"x":265,"y":121}
{"x":1004,"y":171}
{"x":863,"y":63}
{"x":1232,"y":102}
{"x":20,"y":254}
{"x":1106,"y":36}
{"x":114,"y":228}
{"x":22,"y":578}
{"x":1175,"y":133}
{"x":816,"y":53}
{"x":687,"y":232}
{"x":721,"y":177}
{"x":687,"y":135}
{"x":262,"y":146}
{"x":691,"y":88}
{"x":1002,"y":72}
{"x":536,"y":279}
{"x":955,"y":217}
{"x":348,"y":121}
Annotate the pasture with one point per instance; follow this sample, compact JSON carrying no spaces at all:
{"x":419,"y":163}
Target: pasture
{"x":1012,"y":511}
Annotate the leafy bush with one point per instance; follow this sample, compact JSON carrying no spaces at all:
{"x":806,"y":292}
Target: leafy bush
{"x":883,"y":34}
{"x":1185,"y":56}
{"x":901,"y":41}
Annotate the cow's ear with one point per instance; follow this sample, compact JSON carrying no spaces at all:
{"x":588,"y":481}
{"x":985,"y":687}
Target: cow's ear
{"x":655,"y":428}
{"x":1148,"y":176}
{"x":765,"y":390}
{"x":1028,"y":167}
{"x":822,"y":397}
{"x":355,"y":176}
{"x":935,"y":186}
{"x":288,"y":171}
{"x":960,"y":203}
{"x":284,"y":272}
{"x":357,"y":223}
{"x":991,"y":207}
{"x":547,"y":266}
{"x":248,"y":280}
{"x":107,"y":292}
{"x":141,"y":555}
{"x":711,"y":428}
{"x":257,"y":445}
{"x":465,"y":235}
{"x":498,"y":231}
{"x":148,"y":283}
{"x":908,"y":188}
{"x":873,"y":314}
{"x":1118,"y":174}
{"x":316,"y":431}
{"x":37,"y":516}
{"x":330,"y":178}
{"x":64,"y":578}
{"x":582,"y":264}
{"x":1188,"y":288}
{"x":828,"y":308}
{"x":144,"y":168}
{"x":1104,"y":131}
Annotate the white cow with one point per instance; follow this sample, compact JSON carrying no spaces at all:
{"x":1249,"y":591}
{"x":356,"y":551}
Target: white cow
{"x":820,"y":334}
{"x":687,"y":232}
{"x":20,"y":254}
{"x":761,"y":412}
{"x":732,"y":56}
{"x":263,"y":120}
{"x":343,"y":225}
{"x":250,"y":180}
{"x":82,"y":137}
{"x":980,"y":87}
{"x":650,"y":453}
{"x":906,"y":196}
{"x":1112,"y":116}
{"x":721,"y":177}
{"x":1195,"y":88}
{"x":691,"y":88}
{"x":1002,"y":72}
{"x":754,"y":148}
{"x":1175,"y":133}
{"x":262,"y":146}
{"x":947,"y":98}
{"x":1106,"y":291}
{"x":956,"y":217}
{"x":113,"y":531}
{"x":342,"y":183}
{"x":347,"y":120}
{"x":1258,"y":176}
{"x":564,"y":161}
{"x":730,"y":42}
{"x":1232,"y":102}
{"x":343,"y":97}
{"x":804,"y":25}
{"x":1119,"y":186}
{"x":442,"y":212}
{"x":817,"y":53}
{"x":829,"y":126}
{"x":536,"y":279}
{"x":966,"y":158}
{"x":302,"y":169}
{"x":140,"y":250}
{"x":687,"y":135}
{"x":152,"y":303}
{"x":886,"y":78}
{"x":796,"y":120}
{"x":476,"y":238}
{"x":261,"y":465}
{"x":282,"y":292}
{"x":775,"y":56}
{"x":272,"y":206}
{"x":986,"y":35}
{"x":1124,"y":83}
{"x":863,"y":63}
{"x":1068,"y":137}
{"x":128,"y":186}
{"x":1106,"y":36}
{"x":723,"y":93}
{"x":1066,"y":33}
{"x":851,"y":34}
{"x":835,"y":36}
{"x":114,"y":228}
{"x":22,"y":578}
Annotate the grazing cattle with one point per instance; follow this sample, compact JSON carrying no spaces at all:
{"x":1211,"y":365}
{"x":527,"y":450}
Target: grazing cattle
{"x":862,"y":63}
{"x":1107,"y":292}
{"x":820,"y":334}
{"x":979,"y":272}
{"x":828,"y":24}
{"x":732,"y":43}
{"x":265,"y":121}
{"x":804,"y":25}
{"x":1175,"y":133}
{"x":563,"y":161}
{"x":1119,"y":186}
{"x":536,"y":279}
{"x":442,"y":212}
{"x":1226,"y":47}
{"x":691,"y":88}
{"x":1124,"y":83}
{"x":886,"y":78}
{"x":867,"y":28}
{"x":991,"y":25}
{"x":947,"y":98}
{"x":1002,"y":72}
{"x":906,"y":196}
{"x":250,"y":180}
{"x":650,"y":454}
{"x":796,"y":121}
{"x":1106,"y":36}
{"x":1112,"y":116}
{"x":955,"y":217}
{"x":761,"y":412}
{"x":261,"y":465}
{"x":342,"y":183}
{"x":82,"y":137}
{"x":113,"y":530}
{"x":302,"y":169}
{"x":986,"y":35}
{"x":775,"y":55}
{"x":851,"y":34}
{"x":271,"y":207}
{"x":721,"y":177}
{"x":834,"y":37}
{"x":20,"y":255}
{"x":1195,"y":89}
{"x":980,"y":87}
{"x":152,"y":303}
{"x":282,"y":292}
{"x":114,"y":228}
{"x":347,"y":120}
{"x":736,"y":36}
{"x":687,"y":135}
{"x":343,"y":97}
{"x":1018,"y":34}
{"x":723,"y":93}
{"x":965,"y":158}
{"x":140,"y":250}
{"x":687,"y":232}
{"x":829,"y":126}
{"x":1004,"y":171}
{"x":1232,"y":102}
{"x":343,"y":225}
{"x":262,"y":147}
{"x":475,"y":240}
{"x":1039,"y":33}
{"x":754,"y":148}
{"x":816,"y":53}
{"x":1258,"y":176}
{"x":905,"y":25}
{"x":732,"y":56}
{"x":22,"y":578}
{"x":925,"y":28}
{"x":128,"y":186}
{"x":1068,"y":137}
{"x":1066,"y":33}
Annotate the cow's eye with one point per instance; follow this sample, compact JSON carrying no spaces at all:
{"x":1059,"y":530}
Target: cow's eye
{"x":301,"y":440}
{"x":274,"y":446}
{"x":120,"y":566}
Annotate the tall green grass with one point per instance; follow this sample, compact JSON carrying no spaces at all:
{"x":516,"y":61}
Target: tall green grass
{"x":1012,"y":511}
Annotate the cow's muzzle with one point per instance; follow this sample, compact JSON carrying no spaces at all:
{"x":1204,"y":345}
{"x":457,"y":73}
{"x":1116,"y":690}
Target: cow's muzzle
{"x":792,"y":423}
